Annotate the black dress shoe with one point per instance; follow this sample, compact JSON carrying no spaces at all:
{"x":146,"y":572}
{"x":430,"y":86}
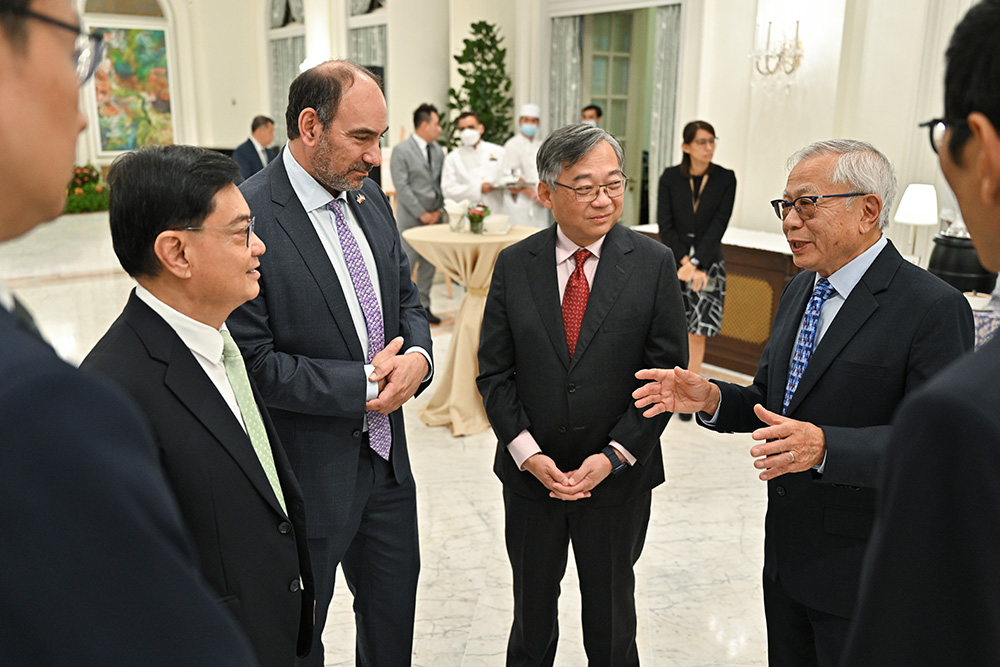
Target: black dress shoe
{"x":431,"y":317}
{"x":684,"y":417}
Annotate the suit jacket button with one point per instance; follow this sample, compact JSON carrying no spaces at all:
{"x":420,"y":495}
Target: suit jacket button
{"x":294,"y":586}
{"x":356,"y":434}
{"x":562,"y":429}
{"x":780,"y":491}
{"x":571,"y":388}
{"x":284,"y":527}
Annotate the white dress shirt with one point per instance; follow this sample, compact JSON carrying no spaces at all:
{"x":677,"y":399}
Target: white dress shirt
{"x":466,"y":169}
{"x":261,"y":152}
{"x":843,"y":280}
{"x":314,"y":198}
{"x":6,"y":296}
{"x":205,"y":343}
{"x":524,"y":445}
{"x":519,"y":161}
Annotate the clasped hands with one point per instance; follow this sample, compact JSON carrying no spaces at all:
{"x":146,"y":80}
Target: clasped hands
{"x":787,"y":445}
{"x":691,"y":274}
{"x":398,"y":376}
{"x":572,"y":485}
{"x":430,"y":217}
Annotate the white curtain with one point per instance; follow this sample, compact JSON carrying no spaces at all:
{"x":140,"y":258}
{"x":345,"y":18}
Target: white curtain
{"x":367,"y":46}
{"x":566,"y":78}
{"x":360,"y":7}
{"x":278,"y":12}
{"x":663,"y":105}
{"x":286,"y":55}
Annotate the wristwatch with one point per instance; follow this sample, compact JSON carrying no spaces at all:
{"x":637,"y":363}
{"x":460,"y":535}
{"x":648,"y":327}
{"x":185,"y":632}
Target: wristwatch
{"x":617,"y":465}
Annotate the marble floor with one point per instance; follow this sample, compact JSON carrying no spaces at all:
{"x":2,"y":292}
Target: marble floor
{"x":698,"y":581}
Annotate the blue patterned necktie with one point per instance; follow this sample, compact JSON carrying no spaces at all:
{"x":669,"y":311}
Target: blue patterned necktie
{"x":379,"y":429}
{"x":807,"y":335}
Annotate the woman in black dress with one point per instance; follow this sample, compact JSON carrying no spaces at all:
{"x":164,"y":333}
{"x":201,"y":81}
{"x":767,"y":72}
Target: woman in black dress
{"x":695,"y":202}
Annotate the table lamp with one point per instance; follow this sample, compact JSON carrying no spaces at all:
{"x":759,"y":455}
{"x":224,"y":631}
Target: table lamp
{"x":917,"y":208}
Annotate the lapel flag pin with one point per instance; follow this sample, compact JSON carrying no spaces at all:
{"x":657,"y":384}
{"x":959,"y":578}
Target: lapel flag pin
{"x":361,"y":198}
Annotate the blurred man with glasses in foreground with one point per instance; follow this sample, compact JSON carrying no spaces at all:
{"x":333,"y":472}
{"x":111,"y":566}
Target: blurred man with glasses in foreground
{"x":855,"y":332}
{"x":930,"y":593}
{"x":182,"y":229}
{"x":97,"y":566}
{"x":573,"y":312}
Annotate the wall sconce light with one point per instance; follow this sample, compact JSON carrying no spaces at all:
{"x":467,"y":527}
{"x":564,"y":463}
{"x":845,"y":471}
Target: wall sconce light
{"x":785,"y":55}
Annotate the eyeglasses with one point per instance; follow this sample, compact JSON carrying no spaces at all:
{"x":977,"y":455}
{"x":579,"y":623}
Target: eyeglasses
{"x":805,"y":206}
{"x":88,"y":51}
{"x":588,"y":193}
{"x":248,"y":229}
{"x":937,"y":128}
{"x":705,"y":142}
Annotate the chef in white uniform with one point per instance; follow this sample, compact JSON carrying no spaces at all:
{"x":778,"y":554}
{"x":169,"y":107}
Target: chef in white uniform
{"x":518,"y":166}
{"x":472,"y":170}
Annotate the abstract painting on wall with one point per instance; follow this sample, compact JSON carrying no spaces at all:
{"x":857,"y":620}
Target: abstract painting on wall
{"x":132,"y":90}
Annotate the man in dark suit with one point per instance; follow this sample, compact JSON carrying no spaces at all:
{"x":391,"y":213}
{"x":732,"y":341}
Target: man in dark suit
{"x":930,"y":594}
{"x":416,"y":172}
{"x":855,"y":332}
{"x":182,"y":229}
{"x":573,"y":312}
{"x":337,"y":342}
{"x":97,"y":567}
{"x":255,"y":152}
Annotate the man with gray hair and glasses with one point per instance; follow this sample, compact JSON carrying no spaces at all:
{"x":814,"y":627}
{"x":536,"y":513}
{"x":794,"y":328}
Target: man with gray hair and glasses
{"x":855,"y":332}
{"x":573,"y":312}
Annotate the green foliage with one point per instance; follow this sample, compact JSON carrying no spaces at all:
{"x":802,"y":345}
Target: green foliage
{"x":85,"y":191}
{"x":485,"y":88}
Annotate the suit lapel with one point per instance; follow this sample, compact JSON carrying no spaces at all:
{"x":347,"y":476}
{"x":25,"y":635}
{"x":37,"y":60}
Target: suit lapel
{"x":613,"y":272}
{"x":187,"y":381}
{"x":857,"y":309}
{"x":295,"y":221}
{"x":544,"y":286}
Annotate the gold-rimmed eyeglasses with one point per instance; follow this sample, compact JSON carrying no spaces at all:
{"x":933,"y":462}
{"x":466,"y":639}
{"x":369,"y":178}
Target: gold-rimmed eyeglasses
{"x":588,"y":193}
{"x":88,"y":49}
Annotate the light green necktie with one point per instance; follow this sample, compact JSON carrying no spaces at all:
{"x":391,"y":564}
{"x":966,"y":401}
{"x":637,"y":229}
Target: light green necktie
{"x":236,"y":371}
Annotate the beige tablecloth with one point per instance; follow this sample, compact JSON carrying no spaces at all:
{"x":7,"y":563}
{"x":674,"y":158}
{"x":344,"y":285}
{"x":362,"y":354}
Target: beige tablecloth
{"x":468,"y":259}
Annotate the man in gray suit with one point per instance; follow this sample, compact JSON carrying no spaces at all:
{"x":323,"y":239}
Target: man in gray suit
{"x":416,"y":171}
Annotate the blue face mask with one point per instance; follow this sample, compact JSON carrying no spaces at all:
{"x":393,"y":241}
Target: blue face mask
{"x":529,"y":130}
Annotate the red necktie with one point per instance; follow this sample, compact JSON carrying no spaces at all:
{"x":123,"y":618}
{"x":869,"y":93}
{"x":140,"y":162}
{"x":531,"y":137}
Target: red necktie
{"x":574,"y":302}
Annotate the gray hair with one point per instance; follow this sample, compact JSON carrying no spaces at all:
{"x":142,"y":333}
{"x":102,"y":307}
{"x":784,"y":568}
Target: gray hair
{"x":568,"y":145}
{"x":861,"y":166}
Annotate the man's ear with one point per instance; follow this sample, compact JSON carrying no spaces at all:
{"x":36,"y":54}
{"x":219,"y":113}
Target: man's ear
{"x":987,"y":159}
{"x":871,"y":209}
{"x":309,"y":126}
{"x":170,"y":248}
{"x":545,"y":194}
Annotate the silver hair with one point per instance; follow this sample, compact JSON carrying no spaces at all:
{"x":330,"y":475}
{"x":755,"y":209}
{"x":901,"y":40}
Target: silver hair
{"x":568,"y":145}
{"x":860,"y":166}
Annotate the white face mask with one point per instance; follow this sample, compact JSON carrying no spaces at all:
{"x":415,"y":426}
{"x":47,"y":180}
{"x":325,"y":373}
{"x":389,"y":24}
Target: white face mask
{"x":592,"y":123}
{"x":468,"y":137}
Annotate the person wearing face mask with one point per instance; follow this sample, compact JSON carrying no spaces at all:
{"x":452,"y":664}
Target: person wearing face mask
{"x":518,"y":170}
{"x":471,"y":170}
{"x":592,"y":115}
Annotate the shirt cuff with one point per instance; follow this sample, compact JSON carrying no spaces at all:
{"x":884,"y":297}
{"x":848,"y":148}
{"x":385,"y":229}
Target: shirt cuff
{"x":522,"y":447}
{"x":625,"y":454}
{"x":371,"y":391}
{"x":822,"y":464}
{"x":710,"y":421}
{"x":430,"y":363}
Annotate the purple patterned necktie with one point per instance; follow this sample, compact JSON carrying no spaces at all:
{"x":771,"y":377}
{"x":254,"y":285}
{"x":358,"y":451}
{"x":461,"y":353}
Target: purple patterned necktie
{"x":807,"y":334}
{"x":379,"y":430}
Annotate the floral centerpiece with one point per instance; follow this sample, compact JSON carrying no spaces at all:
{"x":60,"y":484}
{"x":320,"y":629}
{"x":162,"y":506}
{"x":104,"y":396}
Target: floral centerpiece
{"x":476,"y":214}
{"x":85,"y":191}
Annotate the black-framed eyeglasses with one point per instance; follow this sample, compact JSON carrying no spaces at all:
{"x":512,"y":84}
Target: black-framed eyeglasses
{"x":937,"y":127}
{"x":805,"y":206}
{"x":248,"y":229}
{"x":88,"y":49}
{"x":588,"y":193}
